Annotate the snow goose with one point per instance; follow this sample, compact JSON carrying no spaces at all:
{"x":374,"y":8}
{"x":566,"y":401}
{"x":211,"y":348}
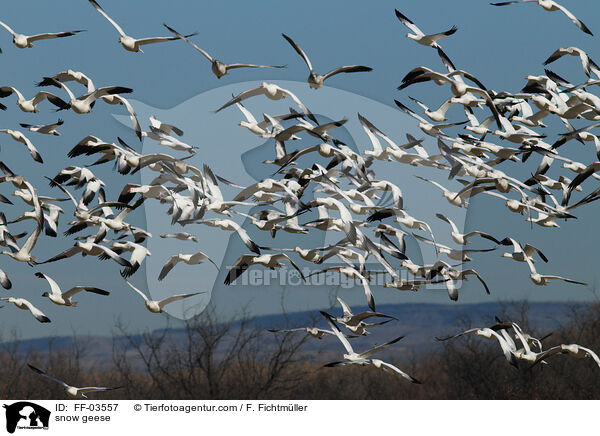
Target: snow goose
{"x":352,"y":357}
{"x":47,"y":129}
{"x":419,"y":36}
{"x":24,"y":253}
{"x":349,"y":318}
{"x":20,"y":137}
{"x":23,"y":41}
{"x":72,"y":391}
{"x":574,"y":350}
{"x":129,"y":43}
{"x":115,"y":98}
{"x":462,"y":238}
{"x":490,"y":333}
{"x":182,"y":236}
{"x":64,"y":298}
{"x":218,"y":68}
{"x":85,"y":103}
{"x":156,"y":306}
{"x":542,"y":280}
{"x":426,"y":126}
{"x":89,"y":248}
{"x":460,"y":254}
{"x":21,"y":182}
{"x":520,"y":254}
{"x":138,"y":254}
{"x":586,"y":62}
{"x":31,"y":105}
{"x":190,"y":259}
{"x":23,"y":304}
{"x":438,"y":115}
{"x":315,"y":80}
{"x":271,"y":91}
{"x":270,"y":261}
{"x":551,"y":6}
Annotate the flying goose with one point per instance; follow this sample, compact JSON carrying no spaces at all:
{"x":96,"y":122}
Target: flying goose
{"x":20,"y":137}
{"x":156,"y":306}
{"x":64,"y":298}
{"x":47,"y":129}
{"x":315,"y":80}
{"x":129,"y":43}
{"x":24,"y":304}
{"x":218,"y":68}
{"x":551,"y":6}
{"x":271,"y":91}
{"x":190,"y":259}
{"x":270,"y":261}
{"x":72,"y":391}
{"x":85,"y":103}
{"x":182,"y":236}
{"x":586,"y":62}
{"x":419,"y":36}
{"x":542,"y":280}
{"x":352,"y":357}
{"x":462,"y":238}
{"x":31,"y":105}
{"x":23,"y":41}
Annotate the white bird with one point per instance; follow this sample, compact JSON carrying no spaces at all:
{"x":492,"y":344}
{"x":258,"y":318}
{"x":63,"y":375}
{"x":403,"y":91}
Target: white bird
{"x":23,"y":41}
{"x":129,"y":43}
{"x":462,"y":238}
{"x":352,"y":357}
{"x":24,"y":253}
{"x":490,"y":333}
{"x":156,"y":306}
{"x":47,"y":129}
{"x":270,"y":261}
{"x":542,"y":280}
{"x":64,"y":298}
{"x":20,"y":137}
{"x":574,"y":350}
{"x":31,"y":105}
{"x":419,"y":36}
{"x":219,"y":68}
{"x":437,"y":115}
{"x":271,"y":91}
{"x":551,"y":6}
{"x":23,"y":304}
{"x":586,"y":62}
{"x":315,"y":80}
{"x":520,"y":253}
{"x":84,"y":103}
{"x":355,"y":322}
{"x":72,"y":391}
{"x":182,"y":236}
{"x":190,"y":259}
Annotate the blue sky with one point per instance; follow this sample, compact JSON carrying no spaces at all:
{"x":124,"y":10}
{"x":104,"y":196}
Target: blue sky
{"x":498,"y":45}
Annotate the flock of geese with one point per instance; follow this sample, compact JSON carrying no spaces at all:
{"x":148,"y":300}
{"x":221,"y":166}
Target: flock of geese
{"x":369,"y":214}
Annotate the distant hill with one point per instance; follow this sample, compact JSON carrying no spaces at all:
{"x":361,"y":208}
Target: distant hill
{"x":419,"y":323}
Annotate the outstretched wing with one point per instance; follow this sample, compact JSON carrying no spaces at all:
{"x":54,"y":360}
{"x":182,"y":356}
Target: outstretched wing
{"x":299,"y":51}
{"x":162,"y":303}
{"x":40,"y":372}
{"x":110,"y":20}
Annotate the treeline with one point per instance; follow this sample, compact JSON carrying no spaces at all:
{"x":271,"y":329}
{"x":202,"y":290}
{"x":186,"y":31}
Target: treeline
{"x":238,"y":361}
